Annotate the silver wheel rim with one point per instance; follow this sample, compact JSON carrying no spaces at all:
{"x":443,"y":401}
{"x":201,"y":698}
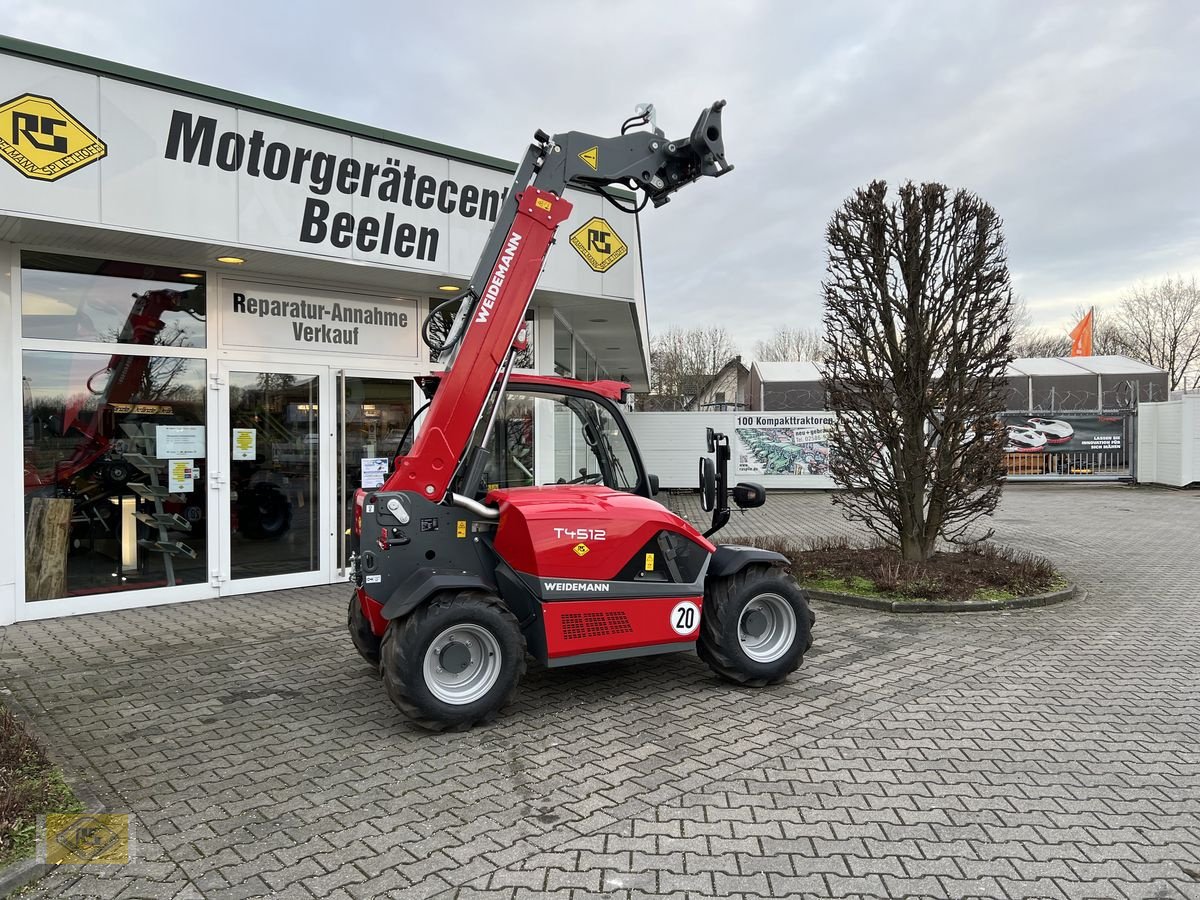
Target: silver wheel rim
{"x":766,"y":628}
{"x":470,"y":646}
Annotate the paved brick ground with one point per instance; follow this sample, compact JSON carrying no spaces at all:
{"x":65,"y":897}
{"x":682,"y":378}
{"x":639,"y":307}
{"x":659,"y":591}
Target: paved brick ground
{"x":1041,"y":753}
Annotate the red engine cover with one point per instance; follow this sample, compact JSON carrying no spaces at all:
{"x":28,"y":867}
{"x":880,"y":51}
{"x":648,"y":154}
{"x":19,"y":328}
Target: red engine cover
{"x":587,"y":532}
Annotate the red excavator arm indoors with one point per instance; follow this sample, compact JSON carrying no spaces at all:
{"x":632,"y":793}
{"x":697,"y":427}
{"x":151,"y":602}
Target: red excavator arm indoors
{"x":122,"y":379}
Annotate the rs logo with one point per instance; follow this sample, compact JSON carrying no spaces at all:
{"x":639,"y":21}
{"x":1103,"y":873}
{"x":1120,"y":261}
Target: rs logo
{"x":598,"y":241}
{"x":41,"y":140}
{"x":39,"y":131}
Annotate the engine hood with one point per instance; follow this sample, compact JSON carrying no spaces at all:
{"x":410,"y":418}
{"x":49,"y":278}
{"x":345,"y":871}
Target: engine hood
{"x":580,"y":531}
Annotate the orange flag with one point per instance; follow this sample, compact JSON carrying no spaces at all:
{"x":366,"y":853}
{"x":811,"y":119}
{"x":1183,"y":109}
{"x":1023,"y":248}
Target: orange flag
{"x":1081,"y":336}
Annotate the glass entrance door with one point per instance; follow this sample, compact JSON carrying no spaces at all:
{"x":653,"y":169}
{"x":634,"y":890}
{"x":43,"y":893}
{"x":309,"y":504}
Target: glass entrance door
{"x":374,"y":412}
{"x":274,"y":442}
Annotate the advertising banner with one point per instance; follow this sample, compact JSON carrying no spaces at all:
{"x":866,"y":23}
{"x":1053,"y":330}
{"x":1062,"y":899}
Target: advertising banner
{"x":788,"y":450}
{"x":781,"y":443}
{"x":1092,"y":434}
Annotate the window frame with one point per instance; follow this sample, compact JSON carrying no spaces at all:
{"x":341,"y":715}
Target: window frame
{"x":641,"y":486}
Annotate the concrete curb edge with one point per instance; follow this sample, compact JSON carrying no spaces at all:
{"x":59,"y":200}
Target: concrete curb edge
{"x":881,"y":604}
{"x":18,"y":874}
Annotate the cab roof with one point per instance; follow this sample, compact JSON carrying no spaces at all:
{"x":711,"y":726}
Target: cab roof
{"x":612,"y":390}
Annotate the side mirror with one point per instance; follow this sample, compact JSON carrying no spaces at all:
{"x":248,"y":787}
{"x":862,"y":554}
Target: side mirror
{"x":748,"y":495}
{"x":653,"y":482}
{"x":708,"y":483}
{"x":711,"y":440}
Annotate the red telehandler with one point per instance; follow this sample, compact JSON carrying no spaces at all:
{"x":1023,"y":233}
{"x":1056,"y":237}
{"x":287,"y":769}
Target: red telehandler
{"x":456,"y":582}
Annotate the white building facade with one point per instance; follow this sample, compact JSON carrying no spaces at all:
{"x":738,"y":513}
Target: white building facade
{"x":211,"y":309}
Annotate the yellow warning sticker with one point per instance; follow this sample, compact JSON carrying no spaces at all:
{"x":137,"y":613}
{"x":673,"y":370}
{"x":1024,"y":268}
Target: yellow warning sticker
{"x":543,"y":203}
{"x":649,"y":562}
{"x":461,"y":528}
{"x":599,"y":245}
{"x":581,"y":549}
{"x":591,"y":156}
{"x":41,"y":140}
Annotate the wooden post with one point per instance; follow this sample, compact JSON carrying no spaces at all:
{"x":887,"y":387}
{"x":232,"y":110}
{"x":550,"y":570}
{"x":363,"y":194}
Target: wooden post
{"x":47,"y":537}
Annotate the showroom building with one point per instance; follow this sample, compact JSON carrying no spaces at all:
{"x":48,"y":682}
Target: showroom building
{"x":211,"y":309}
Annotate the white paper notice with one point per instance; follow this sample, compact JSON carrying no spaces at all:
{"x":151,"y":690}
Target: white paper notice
{"x":245,"y":443}
{"x":374,"y":471}
{"x":181,"y":476}
{"x":174,"y":441}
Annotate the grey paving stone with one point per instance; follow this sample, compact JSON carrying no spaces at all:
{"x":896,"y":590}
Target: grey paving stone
{"x":1047,"y":752}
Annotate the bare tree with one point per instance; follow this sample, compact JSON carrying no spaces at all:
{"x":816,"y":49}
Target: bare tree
{"x":1160,"y":324}
{"x":683,"y":360}
{"x":1040,"y":342}
{"x":918,"y":328}
{"x":1031,"y":340}
{"x":791,"y":345}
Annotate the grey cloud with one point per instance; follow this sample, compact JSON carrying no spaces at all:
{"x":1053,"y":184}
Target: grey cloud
{"x":1078,"y":122}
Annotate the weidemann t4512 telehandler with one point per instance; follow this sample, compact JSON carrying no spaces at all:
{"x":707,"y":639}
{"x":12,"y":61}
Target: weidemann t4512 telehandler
{"x":456,"y":582}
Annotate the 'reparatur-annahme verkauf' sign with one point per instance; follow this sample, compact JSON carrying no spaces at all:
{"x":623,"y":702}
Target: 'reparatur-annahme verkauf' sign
{"x":264,"y":315}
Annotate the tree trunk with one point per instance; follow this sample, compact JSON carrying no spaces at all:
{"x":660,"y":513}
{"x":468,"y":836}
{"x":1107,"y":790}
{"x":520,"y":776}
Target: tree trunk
{"x":910,"y":547}
{"x":47,"y":536}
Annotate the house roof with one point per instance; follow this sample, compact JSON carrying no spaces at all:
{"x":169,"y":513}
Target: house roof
{"x":1052,"y":366}
{"x":1116,"y":365}
{"x":787,"y":371}
{"x":734,"y":363}
{"x":1042,"y":367}
{"x":1081,"y":365}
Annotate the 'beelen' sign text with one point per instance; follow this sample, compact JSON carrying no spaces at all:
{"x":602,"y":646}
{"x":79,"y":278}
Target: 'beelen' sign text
{"x":196,"y":140}
{"x":284,"y":318}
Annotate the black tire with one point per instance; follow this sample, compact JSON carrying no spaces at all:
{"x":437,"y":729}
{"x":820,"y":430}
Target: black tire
{"x":719,"y":643}
{"x":408,"y":638}
{"x":365,"y":641}
{"x":116,"y":473}
{"x":265,"y":513}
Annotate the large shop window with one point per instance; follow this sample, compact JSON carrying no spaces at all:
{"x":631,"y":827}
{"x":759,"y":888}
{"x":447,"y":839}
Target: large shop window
{"x":73,"y":298}
{"x":114,"y":454}
{"x":441,"y":320}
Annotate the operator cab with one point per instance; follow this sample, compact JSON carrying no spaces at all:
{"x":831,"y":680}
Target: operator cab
{"x":581,"y":420}
{"x":591,"y":441}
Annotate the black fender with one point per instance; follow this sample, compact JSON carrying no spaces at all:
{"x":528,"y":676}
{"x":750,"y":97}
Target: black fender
{"x":729,"y":559}
{"x":424,"y":583}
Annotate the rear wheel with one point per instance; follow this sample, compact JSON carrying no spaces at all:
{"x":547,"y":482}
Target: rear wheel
{"x":365,"y":641}
{"x":453,"y":662}
{"x":756,"y":626}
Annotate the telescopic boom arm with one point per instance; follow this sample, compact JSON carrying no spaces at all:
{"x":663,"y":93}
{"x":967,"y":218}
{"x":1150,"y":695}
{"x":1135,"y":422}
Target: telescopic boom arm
{"x":479,"y":349}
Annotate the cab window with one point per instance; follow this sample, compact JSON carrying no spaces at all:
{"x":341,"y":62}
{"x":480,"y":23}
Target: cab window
{"x":588,"y":444}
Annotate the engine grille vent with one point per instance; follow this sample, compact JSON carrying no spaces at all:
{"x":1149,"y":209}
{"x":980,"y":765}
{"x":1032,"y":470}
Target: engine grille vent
{"x":594,"y":624}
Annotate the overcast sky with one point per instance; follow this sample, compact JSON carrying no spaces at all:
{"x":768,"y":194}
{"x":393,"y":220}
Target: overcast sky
{"x":1079,"y":122}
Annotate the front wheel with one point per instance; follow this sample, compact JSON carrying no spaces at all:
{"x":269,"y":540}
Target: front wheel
{"x":756,"y":627}
{"x":453,"y":662}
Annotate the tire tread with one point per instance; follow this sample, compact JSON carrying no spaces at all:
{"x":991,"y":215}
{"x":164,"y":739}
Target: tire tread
{"x":401,"y":639}
{"x":714,"y":622}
